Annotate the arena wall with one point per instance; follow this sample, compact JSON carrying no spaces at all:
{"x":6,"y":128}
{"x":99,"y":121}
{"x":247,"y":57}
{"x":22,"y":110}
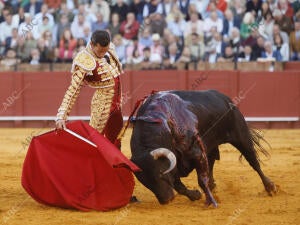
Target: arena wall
{"x":267,"y":99}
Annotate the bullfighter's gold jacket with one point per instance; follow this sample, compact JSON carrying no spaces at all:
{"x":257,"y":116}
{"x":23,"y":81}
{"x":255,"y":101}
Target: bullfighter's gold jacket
{"x":98,"y":73}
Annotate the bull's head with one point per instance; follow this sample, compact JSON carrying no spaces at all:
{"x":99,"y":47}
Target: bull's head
{"x":157,"y":174}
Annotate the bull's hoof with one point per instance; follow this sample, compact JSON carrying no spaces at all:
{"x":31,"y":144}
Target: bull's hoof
{"x":193,"y":195}
{"x":209,"y":203}
{"x":271,"y":188}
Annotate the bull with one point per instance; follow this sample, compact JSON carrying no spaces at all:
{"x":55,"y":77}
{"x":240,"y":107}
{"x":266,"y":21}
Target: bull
{"x":175,"y":132}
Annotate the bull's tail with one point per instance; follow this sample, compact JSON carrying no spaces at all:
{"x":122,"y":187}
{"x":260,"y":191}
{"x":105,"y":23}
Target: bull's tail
{"x":257,"y":139}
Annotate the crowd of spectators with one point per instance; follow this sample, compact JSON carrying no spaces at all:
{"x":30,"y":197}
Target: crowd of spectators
{"x":151,"y":33}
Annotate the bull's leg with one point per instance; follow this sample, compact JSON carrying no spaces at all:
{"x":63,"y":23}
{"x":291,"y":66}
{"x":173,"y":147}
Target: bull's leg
{"x":212,"y":157}
{"x":249,"y":153}
{"x":201,"y":165}
{"x":182,"y":189}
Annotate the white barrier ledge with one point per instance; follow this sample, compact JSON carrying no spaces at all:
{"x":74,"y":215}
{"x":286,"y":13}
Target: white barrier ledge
{"x":49,"y":118}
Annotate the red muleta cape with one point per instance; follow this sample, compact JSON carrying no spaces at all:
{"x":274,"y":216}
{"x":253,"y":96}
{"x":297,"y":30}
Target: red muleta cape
{"x":62,"y":170}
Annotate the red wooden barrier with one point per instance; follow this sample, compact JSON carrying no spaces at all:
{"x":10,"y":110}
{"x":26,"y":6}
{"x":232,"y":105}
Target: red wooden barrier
{"x":258,"y":94}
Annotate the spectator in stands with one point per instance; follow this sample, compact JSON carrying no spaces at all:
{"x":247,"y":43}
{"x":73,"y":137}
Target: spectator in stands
{"x":157,"y":49}
{"x":246,"y":55}
{"x":213,"y":21}
{"x":193,"y":9}
{"x":46,"y":50}
{"x":11,"y":42}
{"x":268,"y":24}
{"x":30,"y":43}
{"x":81,"y":45}
{"x":64,"y":10}
{"x":44,"y":26}
{"x":169,"y":38}
{"x":165,"y":7}
{"x":211,"y":55}
{"x":145,"y":63}
{"x":183,"y":6}
{"x":30,"y":25}
{"x":184,"y":59}
{"x":10,"y":58}
{"x":296,"y":6}
{"x":114,"y":25}
{"x":137,"y":7}
{"x":254,"y":6}
{"x":99,"y":24}
{"x":196,"y":47}
{"x":130,"y":27}
{"x":258,"y":48}
{"x":53,"y":5}
{"x":67,"y":45}
{"x":238,"y":8}
{"x":134,"y":51}
{"x":44,"y":13}
{"x":173,"y":53}
{"x":235,"y":40}
{"x":87,"y":34}
{"x":101,"y":6}
{"x":286,"y":8}
{"x":295,"y":42}
{"x":212,"y":8}
{"x":201,"y":6}
{"x":272,"y":4}
{"x":61,"y":26}
{"x":269,"y":54}
{"x":194,"y":25}
{"x":157,"y":23}
{"x":48,"y":39}
{"x":230,"y":21}
{"x":228,"y":55}
{"x":88,"y":15}
{"x":33,"y":7}
{"x":281,"y":47}
{"x":34,"y":57}
{"x":150,"y":7}
{"x":247,"y":25}
{"x":284,"y":22}
{"x":6,"y":28}
{"x":19,"y":17}
{"x":276,"y":30}
{"x":77,"y":27}
{"x":252,"y":39}
{"x":120,"y":48}
{"x":145,"y":39}
{"x":221,"y":5}
{"x":121,"y":8}
{"x":265,"y":9}
{"x":4,"y":11}
{"x":178,"y":25}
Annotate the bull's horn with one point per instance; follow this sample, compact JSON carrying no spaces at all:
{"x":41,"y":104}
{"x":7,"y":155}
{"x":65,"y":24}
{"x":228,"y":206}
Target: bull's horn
{"x":159,"y":152}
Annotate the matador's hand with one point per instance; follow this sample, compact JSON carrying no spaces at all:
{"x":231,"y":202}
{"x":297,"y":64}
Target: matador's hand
{"x":60,"y":124}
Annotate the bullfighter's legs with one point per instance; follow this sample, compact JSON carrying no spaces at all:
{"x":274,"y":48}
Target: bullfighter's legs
{"x":212,"y":157}
{"x":182,"y":189}
{"x":201,"y":165}
{"x":249,"y":153}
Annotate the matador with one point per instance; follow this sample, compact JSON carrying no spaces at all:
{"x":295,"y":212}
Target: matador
{"x":99,"y":67}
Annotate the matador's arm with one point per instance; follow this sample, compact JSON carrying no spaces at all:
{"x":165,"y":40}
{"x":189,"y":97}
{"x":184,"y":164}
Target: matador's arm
{"x":71,"y":94}
{"x":83,"y":64}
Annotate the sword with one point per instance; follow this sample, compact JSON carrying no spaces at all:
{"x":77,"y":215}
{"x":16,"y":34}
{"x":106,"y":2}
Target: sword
{"x":80,"y":137}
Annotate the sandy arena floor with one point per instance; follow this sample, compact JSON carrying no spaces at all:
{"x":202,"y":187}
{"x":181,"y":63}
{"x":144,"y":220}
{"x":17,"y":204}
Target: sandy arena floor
{"x":240,"y":193}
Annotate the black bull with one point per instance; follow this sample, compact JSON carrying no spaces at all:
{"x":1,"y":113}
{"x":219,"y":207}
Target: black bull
{"x":178,"y":131}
